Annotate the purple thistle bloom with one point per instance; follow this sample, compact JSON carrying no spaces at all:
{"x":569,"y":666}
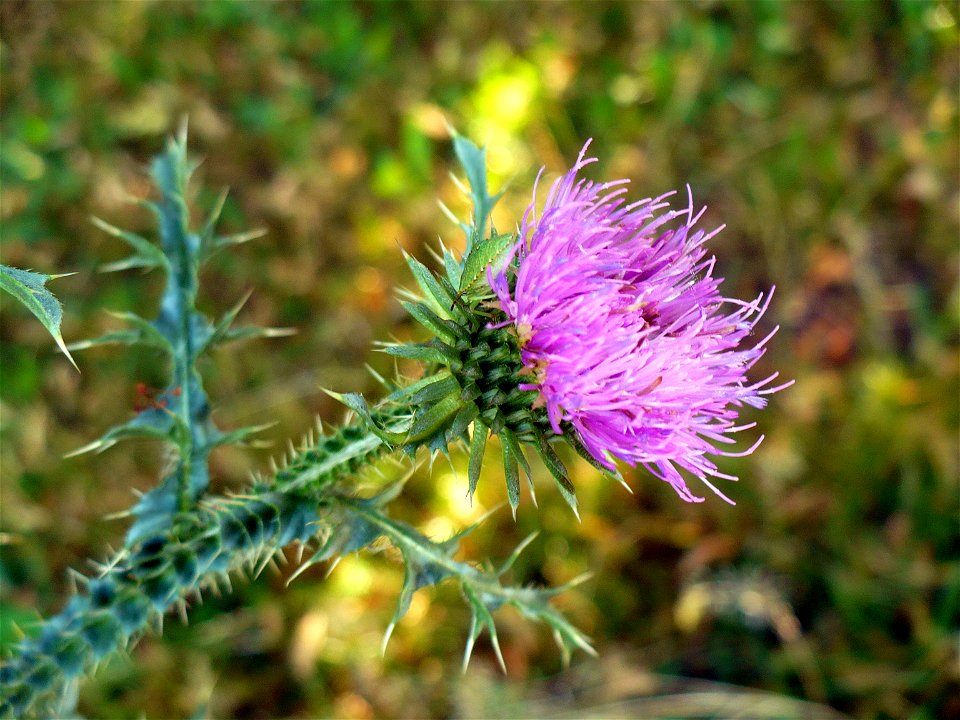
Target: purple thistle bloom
{"x":625,"y":333}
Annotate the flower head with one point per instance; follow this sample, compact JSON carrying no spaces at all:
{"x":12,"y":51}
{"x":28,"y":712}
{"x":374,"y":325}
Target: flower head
{"x":625,"y":333}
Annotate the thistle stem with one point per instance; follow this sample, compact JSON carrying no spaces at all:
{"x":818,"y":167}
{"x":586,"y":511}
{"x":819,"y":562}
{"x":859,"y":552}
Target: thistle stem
{"x":135,"y":588}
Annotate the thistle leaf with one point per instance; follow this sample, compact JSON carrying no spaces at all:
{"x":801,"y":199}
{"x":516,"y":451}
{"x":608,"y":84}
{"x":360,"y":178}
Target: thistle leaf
{"x":559,"y":471}
{"x":152,"y":423}
{"x":458,"y":427}
{"x":489,"y":252}
{"x":433,"y":292}
{"x":28,"y":288}
{"x":478,"y":444}
{"x":434,"y":351}
{"x":512,"y":475}
{"x":143,"y":332}
{"x":145,"y":253}
{"x":452,"y":266}
{"x":429,"y":319}
{"x":356,"y":402}
{"x":414,"y":392}
{"x":473,"y":159}
{"x":236,"y":437}
{"x":433,"y":420}
{"x":509,"y":440}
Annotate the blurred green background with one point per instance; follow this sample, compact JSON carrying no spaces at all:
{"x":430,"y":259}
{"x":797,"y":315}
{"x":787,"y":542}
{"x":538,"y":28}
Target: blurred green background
{"x":825,"y":137}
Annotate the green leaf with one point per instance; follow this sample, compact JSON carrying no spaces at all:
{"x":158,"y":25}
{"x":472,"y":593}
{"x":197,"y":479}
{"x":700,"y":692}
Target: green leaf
{"x":559,"y":471}
{"x":145,"y":253}
{"x":28,"y":288}
{"x":509,"y":440}
{"x":236,"y":437}
{"x":512,"y":475}
{"x":573,"y":439}
{"x":429,"y":319}
{"x":355,"y":402}
{"x":434,"y":293}
{"x":478,"y":443}
{"x":153,"y":423}
{"x":473,"y":159}
{"x":467,"y":414}
{"x":482,"y":255}
{"x":143,"y":333}
{"x":433,"y":420}
{"x":433,"y":351}
{"x":452,"y":267}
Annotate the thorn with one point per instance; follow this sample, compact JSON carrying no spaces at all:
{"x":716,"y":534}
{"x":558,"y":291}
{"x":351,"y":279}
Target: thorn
{"x":215,"y":587}
{"x":386,"y":639}
{"x":298,"y":572}
{"x":471,"y":639}
{"x":78,"y":578}
{"x":182,"y":609}
{"x":496,"y":649}
{"x":333,"y":565}
{"x":260,"y":568}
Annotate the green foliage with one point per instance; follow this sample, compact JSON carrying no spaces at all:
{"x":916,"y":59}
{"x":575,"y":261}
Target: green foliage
{"x":358,"y":523}
{"x":28,"y":288}
{"x":180,"y":414}
{"x":181,"y":542}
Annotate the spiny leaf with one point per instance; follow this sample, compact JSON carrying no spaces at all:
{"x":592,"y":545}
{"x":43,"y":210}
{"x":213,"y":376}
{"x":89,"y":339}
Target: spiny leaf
{"x":461,"y":421}
{"x":143,"y":333}
{"x":153,"y":423}
{"x":427,"y":352}
{"x":478,"y":443}
{"x":224,"y":241}
{"x":452,"y":266}
{"x":509,"y":440}
{"x":249,"y":332}
{"x":433,"y":419}
{"x":480,"y":618}
{"x":145,"y":253}
{"x":416,"y":390}
{"x":236,"y":437}
{"x":473,"y":159}
{"x":512,"y":475}
{"x":433,"y":291}
{"x":574,"y":441}
{"x":356,"y":402}
{"x":429,"y":319}
{"x":482,"y":255}
{"x":559,"y":471}
{"x":508,"y":563}
{"x":28,"y":288}
{"x":206,"y":233}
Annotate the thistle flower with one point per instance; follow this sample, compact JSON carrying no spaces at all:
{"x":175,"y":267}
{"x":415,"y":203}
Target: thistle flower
{"x":624,"y":333}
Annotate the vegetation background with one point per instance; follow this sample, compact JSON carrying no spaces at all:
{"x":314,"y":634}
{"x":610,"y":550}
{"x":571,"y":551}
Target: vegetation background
{"x":823,"y":134}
